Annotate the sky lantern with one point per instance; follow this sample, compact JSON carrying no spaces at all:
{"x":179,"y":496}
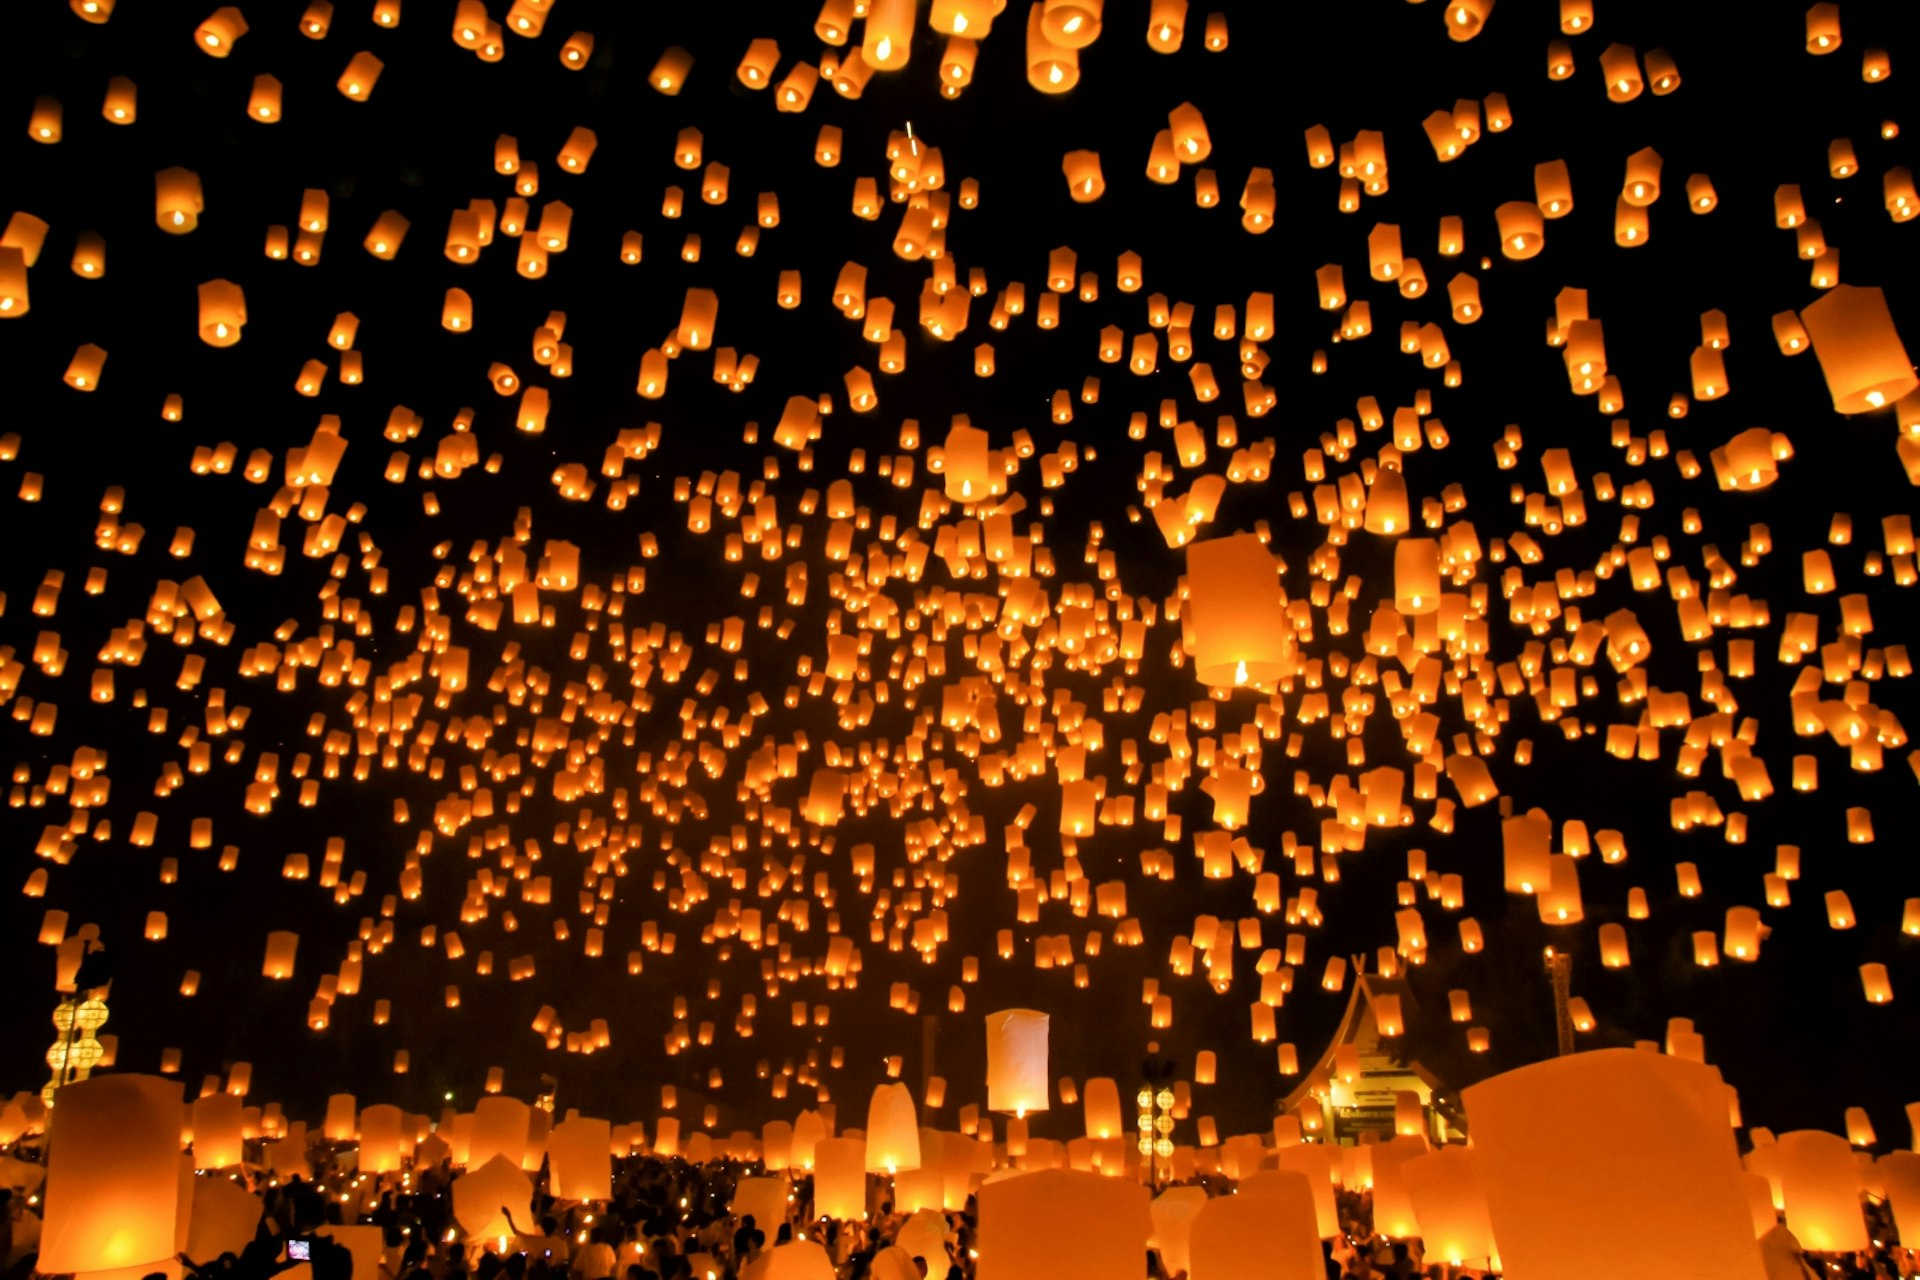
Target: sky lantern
{"x":1017,"y":1061}
{"x":1860,"y":352}
{"x":216,"y":35}
{"x":840,"y":1178}
{"x":965,"y":467}
{"x":577,"y":1159}
{"x":113,"y":1184}
{"x":217,"y":1121}
{"x":178,"y":203}
{"x":1239,"y":636}
{"x":223,"y":313}
{"x":1450,"y":1205}
{"x":1085,"y":183}
{"x":1051,"y":68}
{"x":1071,"y":24}
{"x":669,"y":74}
{"x":893,"y":1132}
{"x":1820,"y":1191}
{"x":1058,"y":1222}
{"x":1269,"y":1229}
{"x":1556,"y":1164}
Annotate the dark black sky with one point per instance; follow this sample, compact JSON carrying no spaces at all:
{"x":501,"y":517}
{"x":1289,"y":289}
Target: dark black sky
{"x":1792,"y":1031}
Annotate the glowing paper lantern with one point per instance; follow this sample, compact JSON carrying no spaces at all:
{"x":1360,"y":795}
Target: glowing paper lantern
{"x":223,"y":313}
{"x":500,"y":1127}
{"x":795,"y":1260}
{"x":1416,"y":576}
{"x":341,"y":1124}
{"x":1173,"y":1213}
{"x":1017,"y":1061}
{"x":217,"y":1123}
{"x":1392,"y":1202}
{"x":888,"y":41}
{"x":1450,"y":1205}
{"x":1820,"y":1191}
{"x":380,"y":1130}
{"x":893,"y":1130}
{"x":577,"y":1164}
{"x":840,"y":1178}
{"x":113,"y":1184}
{"x":1239,"y":633}
{"x":1102,"y":1102}
{"x":479,"y":1196}
{"x":1268,"y":1233}
{"x":225,"y":1217}
{"x":965,"y":469}
{"x":1860,"y":351}
{"x":1041,"y":1226}
{"x":1900,"y":1173}
{"x":1558,"y":1164}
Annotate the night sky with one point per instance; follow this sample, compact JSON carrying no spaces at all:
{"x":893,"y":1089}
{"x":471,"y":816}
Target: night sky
{"x":1792,"y":1031}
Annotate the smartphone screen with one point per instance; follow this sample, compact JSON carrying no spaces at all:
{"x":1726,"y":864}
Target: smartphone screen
{"x":299,"y":1251}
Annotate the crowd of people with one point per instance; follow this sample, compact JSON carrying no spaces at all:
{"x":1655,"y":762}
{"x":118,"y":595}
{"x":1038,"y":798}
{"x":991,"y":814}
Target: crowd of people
{"x":669,"y":1219}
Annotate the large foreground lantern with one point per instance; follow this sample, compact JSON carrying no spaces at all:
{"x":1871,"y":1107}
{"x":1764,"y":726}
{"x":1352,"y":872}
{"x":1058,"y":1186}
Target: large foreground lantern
{"x":1820,"y":1190}
{"x":1450,"y":1206}
{"x":1017,"y":1061}
{"x":1859,"y":349}
{"x":113,"y":1177}
{"x":1042,"y":1226}
{"x":1240,"y":634}
{"x":1173,"y":1215}
{"x":1269,"y":1232}
{"x":1571,"y":1148}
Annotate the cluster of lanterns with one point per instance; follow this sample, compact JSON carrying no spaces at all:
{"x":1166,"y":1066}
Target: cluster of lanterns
{"x":914,"y":588}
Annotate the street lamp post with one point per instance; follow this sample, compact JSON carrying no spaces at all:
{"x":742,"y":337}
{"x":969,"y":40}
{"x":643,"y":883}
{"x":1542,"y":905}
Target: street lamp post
{"x":1155,"y":1120}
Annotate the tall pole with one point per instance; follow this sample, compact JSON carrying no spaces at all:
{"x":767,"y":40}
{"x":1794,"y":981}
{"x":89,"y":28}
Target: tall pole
{"x":1560,"y":973}
{"x":929,"y":1047}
